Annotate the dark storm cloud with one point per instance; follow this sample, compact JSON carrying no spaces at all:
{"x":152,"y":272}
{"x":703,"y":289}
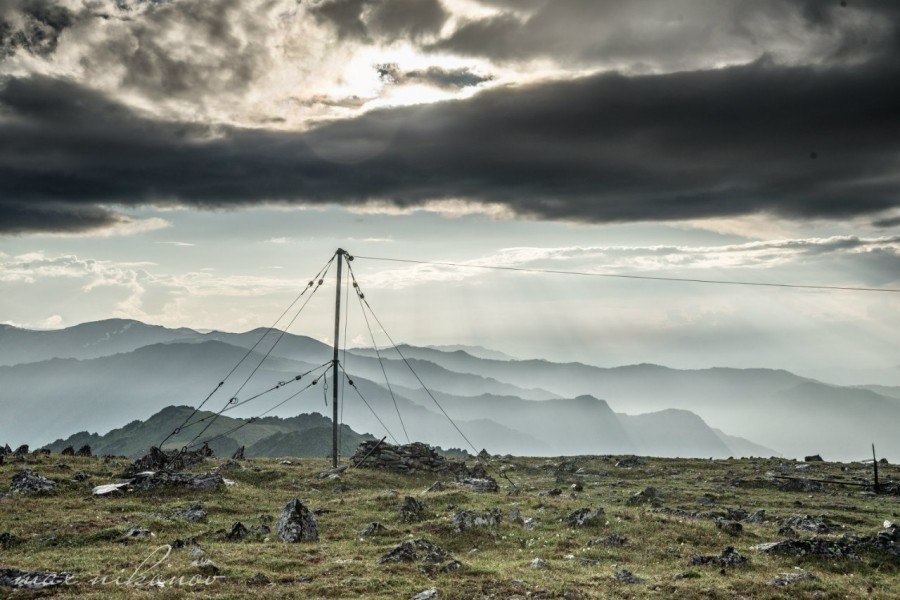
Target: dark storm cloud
{"x":449,"y":79}
{"x":388,"y":19}
{"x":603,"y":148}
{"x":53,"y":217}
{"x":671,"y":32}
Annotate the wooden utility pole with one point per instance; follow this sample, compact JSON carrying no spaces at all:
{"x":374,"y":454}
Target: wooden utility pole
{"x":334,"y":363}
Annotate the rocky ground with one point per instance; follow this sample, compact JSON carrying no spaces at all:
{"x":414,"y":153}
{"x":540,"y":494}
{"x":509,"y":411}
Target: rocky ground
{"x":561,"y":528}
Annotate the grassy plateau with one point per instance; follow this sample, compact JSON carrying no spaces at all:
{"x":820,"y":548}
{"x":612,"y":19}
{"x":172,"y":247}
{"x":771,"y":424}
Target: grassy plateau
{"x":72,"y":531}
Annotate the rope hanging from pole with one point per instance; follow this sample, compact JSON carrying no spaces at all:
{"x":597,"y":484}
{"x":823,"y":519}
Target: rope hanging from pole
{"x":362,"y":297}
{"x":178,"y":429}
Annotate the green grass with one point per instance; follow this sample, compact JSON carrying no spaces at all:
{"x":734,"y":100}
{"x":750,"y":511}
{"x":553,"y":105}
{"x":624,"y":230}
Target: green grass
{"x":72,"y":531}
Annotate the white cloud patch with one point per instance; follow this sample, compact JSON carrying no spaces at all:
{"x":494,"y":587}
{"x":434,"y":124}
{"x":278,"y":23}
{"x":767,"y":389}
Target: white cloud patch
{"x":867,"y":260}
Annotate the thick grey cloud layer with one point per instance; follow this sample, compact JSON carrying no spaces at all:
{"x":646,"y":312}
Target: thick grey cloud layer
{"x":31,"y":25}
{"x":818,"y":136}
{"x":597,"y":149}
{"x":675,"y":33}
{"x":365,"y":19}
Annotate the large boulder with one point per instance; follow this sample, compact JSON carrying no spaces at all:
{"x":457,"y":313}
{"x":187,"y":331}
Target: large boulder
{"x":412,"y":510}
{"x":586,"y":517}
{"x":28,"y":482}
{"x":464,"y":520}
{"x":297,"y":523}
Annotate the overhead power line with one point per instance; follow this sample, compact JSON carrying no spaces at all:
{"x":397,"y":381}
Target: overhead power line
{"x":368,"y":306}
{"x":843,"y":288}
{"x":249,"y":351}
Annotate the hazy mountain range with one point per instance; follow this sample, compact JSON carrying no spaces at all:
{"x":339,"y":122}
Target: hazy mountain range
{"x":98,"y":376}
{"x":306,"y":435}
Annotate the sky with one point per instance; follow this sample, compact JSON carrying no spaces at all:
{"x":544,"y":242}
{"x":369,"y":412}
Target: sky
{"x":193,"y":163}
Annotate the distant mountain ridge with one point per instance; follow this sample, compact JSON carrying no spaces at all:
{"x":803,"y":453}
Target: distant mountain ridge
{"x":118,"y":370}
{"x":306,"y":435}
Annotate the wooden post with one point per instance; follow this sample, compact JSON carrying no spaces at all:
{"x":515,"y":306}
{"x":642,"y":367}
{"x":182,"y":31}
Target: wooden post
{"x":334,"y":362}
{"x":875,"y":468}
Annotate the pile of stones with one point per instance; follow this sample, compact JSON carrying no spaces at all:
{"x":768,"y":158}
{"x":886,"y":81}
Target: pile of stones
{"x":728,"y":558}
{"x":28,"y":482}
{"x":408,"y":458}
{"x":158,"y":460}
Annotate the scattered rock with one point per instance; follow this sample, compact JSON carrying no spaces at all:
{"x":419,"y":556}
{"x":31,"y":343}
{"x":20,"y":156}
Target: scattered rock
{"x":551,"y":493}
{"x":813,"y":547}
{"x":813,"y":458}
{"x":136,"y":533}
{"x":297,"y":523}
{"x":239,"y":455}
{"x":728,"y":558}
{"x":180,"y":543}
{"x":175,"y":460}
{"x":706,"y":500}
{"x":437,"y":486}
{"x":28,"y":482}
{"x":485,"y":484}
{"x":8,"y":540}
{"x":31,"y":580}
{"x":412,"y":510}
{"x":530,"y":523}
{"x":808,"y":523}
{"x":408,"y":458}
{"x":430,"y":594}
{"x":209,"y":482}
{"x":84,"y":451}
{"x":259,"y":578}
{"x":421,"y":550}
{"x":539,"y":563}
{"x":649,"y":495}
{"x":464,"y":520}
{"x":111,"y":489}
{"x":478,"y":472}
{"x":785,"y":579}
{"x":515,"y":515}
{"x":41,"y":452}
{"x":586,"y":517}
{"x":237,"y":532}
{"x":206,"y":566}
{"x":612,"y":541}
{"x":629,"y":462}
{"x":757,"y":516}
{"x":194,"y":513}
{"x":229,"y":465}
{"x":21,"y":450}
{"x":729,"y":526}
{"x":799,"y":485}
{"x":626,"y":576}
{"x":576,"y":487}
{"x":372,"y":529}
